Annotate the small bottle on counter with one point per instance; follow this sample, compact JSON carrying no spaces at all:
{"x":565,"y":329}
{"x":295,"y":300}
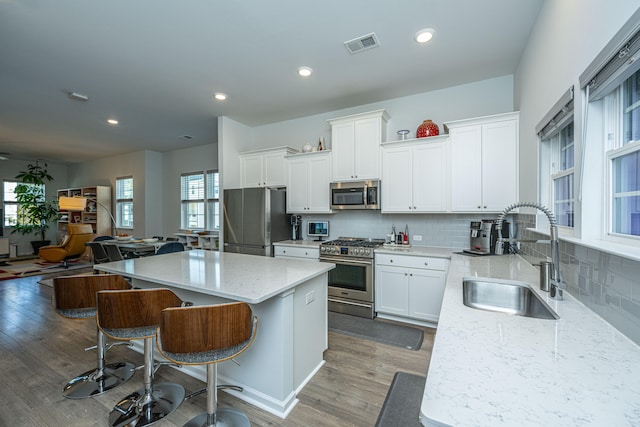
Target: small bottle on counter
{"x":393,"y":233}
{"x":406,"y":234}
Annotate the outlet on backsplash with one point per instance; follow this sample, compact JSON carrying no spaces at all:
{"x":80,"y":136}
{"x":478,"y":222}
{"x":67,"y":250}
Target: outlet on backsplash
{"x":417,"y":238}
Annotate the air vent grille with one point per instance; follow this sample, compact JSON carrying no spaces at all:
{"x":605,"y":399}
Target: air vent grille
{"x":362,"y":43}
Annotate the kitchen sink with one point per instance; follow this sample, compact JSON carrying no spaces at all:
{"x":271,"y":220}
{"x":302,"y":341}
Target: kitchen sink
{"x":505,"y":296}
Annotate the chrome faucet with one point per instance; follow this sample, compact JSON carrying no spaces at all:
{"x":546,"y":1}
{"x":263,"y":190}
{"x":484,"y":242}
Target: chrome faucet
{"x":557,"y":285}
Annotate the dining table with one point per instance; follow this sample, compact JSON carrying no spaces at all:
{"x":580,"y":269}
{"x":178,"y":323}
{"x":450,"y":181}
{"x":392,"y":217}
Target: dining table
{"x":135,"y":247}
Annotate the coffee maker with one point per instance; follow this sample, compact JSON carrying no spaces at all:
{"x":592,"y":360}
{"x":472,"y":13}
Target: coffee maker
{"x":296,"y":231}
{"x":483,"y":237}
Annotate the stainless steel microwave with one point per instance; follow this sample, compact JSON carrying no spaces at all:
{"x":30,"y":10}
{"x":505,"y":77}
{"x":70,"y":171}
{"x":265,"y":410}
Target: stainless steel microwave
{"x":355,"y":195}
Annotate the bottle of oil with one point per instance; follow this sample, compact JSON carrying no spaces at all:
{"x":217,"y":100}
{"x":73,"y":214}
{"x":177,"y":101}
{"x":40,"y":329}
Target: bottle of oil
{"x":406,"y":234}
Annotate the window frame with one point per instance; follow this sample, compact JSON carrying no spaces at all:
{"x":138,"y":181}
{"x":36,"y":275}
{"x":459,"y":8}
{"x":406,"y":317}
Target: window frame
{"x":122,"y":202}
{"x":205,"y":206}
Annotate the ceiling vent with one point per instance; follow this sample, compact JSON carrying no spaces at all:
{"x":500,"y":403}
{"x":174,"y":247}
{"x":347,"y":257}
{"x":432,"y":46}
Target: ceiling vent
{"x":360,"y":44}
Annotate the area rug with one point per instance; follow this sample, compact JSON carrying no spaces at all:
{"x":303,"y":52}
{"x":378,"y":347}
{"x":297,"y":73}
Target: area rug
{"x":372,"y":329}
{"x":401,"y":407}
{"x":19,"y":269}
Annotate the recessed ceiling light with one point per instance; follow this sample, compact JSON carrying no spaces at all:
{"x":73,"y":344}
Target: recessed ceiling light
{"x":220,"y":96}
{"x":112,"y":121}
{"x":305,"y":71}
{"x":425,"y":35}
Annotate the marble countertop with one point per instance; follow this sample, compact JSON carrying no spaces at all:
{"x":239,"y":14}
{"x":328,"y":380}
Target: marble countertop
{"x":249,"y":278}
{"x":312,"y":244}
{"x":415,"y":250}
{"x":494,"y":369}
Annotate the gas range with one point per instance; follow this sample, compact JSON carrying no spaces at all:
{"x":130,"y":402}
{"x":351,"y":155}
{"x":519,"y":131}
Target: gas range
{"x":352,"y":247}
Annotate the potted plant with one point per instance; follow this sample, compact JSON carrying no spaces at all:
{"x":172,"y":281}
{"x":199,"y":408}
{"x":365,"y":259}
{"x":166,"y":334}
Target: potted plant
{"x":34,"y":211}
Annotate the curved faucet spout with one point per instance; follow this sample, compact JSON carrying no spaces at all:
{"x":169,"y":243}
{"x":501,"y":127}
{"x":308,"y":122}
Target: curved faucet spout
{"x":557,"y":284}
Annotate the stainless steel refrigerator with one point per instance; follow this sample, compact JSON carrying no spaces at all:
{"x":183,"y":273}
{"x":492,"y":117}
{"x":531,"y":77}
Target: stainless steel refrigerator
{"x":254,"y":218}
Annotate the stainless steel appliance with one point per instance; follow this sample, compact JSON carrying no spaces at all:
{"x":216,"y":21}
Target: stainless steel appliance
{"x":254,"y":218}
{"x":483,"y":236}
{"x":355,"y":195}
{"x":296,"y":234}
{"x":351,"y":282}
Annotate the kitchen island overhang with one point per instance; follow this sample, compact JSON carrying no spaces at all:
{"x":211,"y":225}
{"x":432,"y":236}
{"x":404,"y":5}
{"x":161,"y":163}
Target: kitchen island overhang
{"x":288,"y":296}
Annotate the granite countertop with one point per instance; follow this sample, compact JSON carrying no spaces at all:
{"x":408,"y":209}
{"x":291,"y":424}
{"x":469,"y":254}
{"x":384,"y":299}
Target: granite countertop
{"x":249,"y":278}
{"x":312,"y":244}
{"x":494,"y":369}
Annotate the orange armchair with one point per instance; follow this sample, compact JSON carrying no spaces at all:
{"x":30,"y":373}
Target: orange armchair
{"x":72,"y":247}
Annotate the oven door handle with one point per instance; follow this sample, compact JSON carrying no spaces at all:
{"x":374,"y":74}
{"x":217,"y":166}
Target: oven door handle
{"x":343,"y":261}
{"x":341,"y":301}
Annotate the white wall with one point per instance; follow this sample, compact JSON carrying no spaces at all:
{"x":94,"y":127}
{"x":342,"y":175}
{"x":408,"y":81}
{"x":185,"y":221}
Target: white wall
{"x":567,"y":36}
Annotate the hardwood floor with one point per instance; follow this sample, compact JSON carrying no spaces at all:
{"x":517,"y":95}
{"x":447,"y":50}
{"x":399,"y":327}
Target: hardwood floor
{"x":40,"y":351}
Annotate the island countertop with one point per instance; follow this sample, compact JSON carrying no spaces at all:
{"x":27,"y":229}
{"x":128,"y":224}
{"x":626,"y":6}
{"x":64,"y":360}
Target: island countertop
{"x":495,"y":369}
{"x":248,"y":278}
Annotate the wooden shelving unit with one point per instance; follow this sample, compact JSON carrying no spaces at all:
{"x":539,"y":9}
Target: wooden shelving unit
{"x":94,"y":214}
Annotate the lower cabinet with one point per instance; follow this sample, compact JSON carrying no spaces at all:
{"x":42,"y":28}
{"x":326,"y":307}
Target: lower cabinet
{"x":291,"y":252}
{"x":410,"y":286}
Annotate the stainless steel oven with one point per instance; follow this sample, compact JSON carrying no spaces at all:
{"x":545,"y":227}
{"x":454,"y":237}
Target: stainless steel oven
{"x":351,"y":282}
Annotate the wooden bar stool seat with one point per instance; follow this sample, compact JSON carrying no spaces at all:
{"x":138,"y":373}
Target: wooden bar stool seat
{"x":75,"y":298}
{"x":131,"y":315}
{"x":208,"y":335}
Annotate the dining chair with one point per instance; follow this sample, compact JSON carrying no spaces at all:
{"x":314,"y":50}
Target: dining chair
{"x":114,"y":253}
{"x":170,"y":247}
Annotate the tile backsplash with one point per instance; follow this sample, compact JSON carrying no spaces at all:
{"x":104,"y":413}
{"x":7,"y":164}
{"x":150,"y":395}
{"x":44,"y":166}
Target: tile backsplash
{"x":607,"y":284}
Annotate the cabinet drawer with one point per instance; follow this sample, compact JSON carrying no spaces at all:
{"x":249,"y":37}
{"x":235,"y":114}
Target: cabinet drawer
{"x":288,"y":251}
{"x":412,"y":261}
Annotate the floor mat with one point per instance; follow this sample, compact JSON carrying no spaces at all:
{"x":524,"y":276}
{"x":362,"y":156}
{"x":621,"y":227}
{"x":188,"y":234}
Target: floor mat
{"x":17,"y":270}
{"x":402,"y":405}
{"x":384,"y":332}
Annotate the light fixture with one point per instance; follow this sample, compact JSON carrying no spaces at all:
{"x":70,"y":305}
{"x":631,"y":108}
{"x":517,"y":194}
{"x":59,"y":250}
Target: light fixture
{"x":220,"y":96}
{"x":77,"y":96}
{"x":112,"y":121}
{"x":79,"y":203}
{"x":305,"y":71}
{"x":425,"y":35}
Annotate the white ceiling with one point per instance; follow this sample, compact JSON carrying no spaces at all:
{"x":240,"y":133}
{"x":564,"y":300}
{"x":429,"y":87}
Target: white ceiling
{"x":154,"y":64}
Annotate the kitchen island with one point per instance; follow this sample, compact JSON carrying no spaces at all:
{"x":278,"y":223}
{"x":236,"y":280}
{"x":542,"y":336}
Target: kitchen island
{"x":289,"y":297}
{"x":495,"y":369}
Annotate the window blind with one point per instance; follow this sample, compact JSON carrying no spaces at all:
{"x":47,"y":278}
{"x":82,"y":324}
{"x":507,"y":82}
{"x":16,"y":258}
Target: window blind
{"x":192,"y":187}
{"x":124,"y":188}
{"x":557,"y":117}
{"x":616,"y":62}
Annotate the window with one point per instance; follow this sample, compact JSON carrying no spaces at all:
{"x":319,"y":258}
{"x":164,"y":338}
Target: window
{"x":557,"y":160}
{"x":124,"y":202}
{"x":199,"y":195}
{"x":11,"y":207}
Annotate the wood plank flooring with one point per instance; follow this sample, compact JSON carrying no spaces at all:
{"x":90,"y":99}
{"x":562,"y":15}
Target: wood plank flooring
{"x":40,"y":351}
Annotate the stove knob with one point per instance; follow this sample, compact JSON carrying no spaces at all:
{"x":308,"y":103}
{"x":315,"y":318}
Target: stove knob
{"x":366,"y":251}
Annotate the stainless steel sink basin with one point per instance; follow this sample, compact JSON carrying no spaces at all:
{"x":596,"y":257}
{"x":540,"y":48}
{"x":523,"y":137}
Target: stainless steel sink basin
{"x":504,"y":296}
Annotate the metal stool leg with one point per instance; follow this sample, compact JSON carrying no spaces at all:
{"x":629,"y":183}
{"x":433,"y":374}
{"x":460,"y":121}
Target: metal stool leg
{"x":217,"y":417}
{"x":149,"y":404}
{"x":103,"y":378}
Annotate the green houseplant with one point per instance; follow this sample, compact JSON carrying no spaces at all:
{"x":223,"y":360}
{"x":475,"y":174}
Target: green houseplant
{"x":35,"y":213}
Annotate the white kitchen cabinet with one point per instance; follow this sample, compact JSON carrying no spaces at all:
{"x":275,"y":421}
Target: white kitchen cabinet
{"x":484,"y":163}
{"x":414,"y":176}
{"x":308,"y":178}
{"x":409,"y":286}
{"x":355,"y":145}
{"x":264,"y":168}
{"x":292,"y":252}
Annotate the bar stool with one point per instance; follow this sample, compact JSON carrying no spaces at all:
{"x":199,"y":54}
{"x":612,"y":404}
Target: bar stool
{"x":75,"y":298}
{"x":132,"y":315}
{"x":208,"y":335}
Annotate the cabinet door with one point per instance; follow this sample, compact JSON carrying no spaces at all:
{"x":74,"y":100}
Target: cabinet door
{"x":426,"y":288}
{"x":429,"y":178}
{"x":297,"y":186}
{"x":319,"y":176}
{"x":392,"y":290}
{"x":396,"y":180}
{"x":499,"y":165}
{"x":342,"y":151}
{"x":466,"y":169}
{"x":252,"y":170}
{"x":367,"y":148}
{"x":275,"y":170}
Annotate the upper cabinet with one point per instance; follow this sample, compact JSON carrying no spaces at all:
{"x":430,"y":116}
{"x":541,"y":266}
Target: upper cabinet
{"x":484,"y":163}
{"x":414,"y":176}
{"x":308,"y":178}
{"x":355,"y":145}
{"x":264,"y":168}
